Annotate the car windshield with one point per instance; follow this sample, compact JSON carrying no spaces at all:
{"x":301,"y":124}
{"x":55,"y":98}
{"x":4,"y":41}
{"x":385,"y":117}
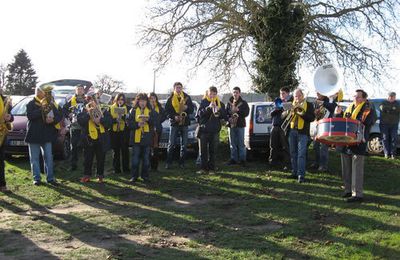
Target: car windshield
{"x":263,"y":114}
{"x":64,"y":90}
{"x":20,"y":108}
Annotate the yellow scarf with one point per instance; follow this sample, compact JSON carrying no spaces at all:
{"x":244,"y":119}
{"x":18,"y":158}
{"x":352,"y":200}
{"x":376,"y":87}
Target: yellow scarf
{"x":300,"y":120}
{"x":354,"y":113}
{"x":216,"y":99}
{"x":58,"y":125}
{"x":93,"y":130}
{"x":157,"y":109}
{"x":145,"y":128}
{"x":1,"y":106}
{"x":115,"y":116}
{"x":175,"y":101}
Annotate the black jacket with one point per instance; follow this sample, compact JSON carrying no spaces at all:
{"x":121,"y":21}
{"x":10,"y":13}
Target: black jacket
{"x":106,"y":121}
{"x":147,"y":138}
{"x":208,"y":123}
{"x":390,"y":112}
{"x":276,"y":114}
{"x":329,"y":106}
{"x":159,"y":118}
{"x":369,"y":121}
{"x":308,"y":117}
{"x":170,"y":111}
{"x":38,"y":132}
{"x":243,"y":111}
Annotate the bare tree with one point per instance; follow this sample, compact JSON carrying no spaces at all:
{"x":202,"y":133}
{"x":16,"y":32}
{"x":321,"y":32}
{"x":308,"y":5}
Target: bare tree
{"x":108,"y":85}
{"x":3,"y":76}
{"x":227,"y":34}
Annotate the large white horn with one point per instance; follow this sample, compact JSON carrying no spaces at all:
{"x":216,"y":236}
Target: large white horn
{"x":326,"y":80}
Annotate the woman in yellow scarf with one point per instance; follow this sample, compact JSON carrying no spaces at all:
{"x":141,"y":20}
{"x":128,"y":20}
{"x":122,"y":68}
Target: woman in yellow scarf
{"x":141,"y":121}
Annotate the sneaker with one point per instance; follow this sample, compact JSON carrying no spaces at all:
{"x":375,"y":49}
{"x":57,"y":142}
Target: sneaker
{"x":85,"y":179}
{"x":201,"y":171}
{"x":100,"y":179}
{"x":231,"y":162}
{"x":392,"y":157}
{"x":354,"y":199}
{"x":386,"y":156}
{"x":37,"y":183}
{"x":133,"y":180}
{"x":167,"y":166}
{"x":53,"y":182}
{"x":300,"y":179}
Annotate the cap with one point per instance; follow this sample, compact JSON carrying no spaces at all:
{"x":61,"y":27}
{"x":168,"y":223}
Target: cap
{"x":392,"y":94}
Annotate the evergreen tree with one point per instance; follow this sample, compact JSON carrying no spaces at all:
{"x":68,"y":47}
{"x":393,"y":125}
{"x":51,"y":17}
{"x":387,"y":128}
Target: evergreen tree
{"x":21,"y":78}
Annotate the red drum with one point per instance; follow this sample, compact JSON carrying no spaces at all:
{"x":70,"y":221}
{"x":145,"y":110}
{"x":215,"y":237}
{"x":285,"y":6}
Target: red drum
{"x":339,"y":131}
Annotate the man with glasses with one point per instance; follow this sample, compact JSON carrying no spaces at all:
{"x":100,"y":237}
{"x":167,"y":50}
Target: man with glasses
{"x":352,"y":157}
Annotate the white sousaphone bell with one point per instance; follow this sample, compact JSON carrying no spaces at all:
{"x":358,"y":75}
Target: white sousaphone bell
{"x":327,"y":80}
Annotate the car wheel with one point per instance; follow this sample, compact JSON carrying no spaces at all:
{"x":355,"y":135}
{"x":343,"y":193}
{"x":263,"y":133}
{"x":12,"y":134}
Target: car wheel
{"x":375,"y":145}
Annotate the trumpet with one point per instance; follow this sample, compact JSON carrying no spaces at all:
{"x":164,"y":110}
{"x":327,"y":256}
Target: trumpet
{"x":181,"y":112}
{"x":94,"y":109}
{"x":296,"y":110}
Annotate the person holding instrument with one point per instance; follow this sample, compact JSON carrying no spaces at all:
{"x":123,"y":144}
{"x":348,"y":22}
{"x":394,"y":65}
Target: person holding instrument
{"x":300,"y":117}
{"x":44,"y":116}
{"x":5,"y":125}
{"x":178,"y":108}
{"x":95,"y":124}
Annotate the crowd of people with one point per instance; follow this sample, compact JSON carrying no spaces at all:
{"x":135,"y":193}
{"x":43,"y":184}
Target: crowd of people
{"x":98,"y":129}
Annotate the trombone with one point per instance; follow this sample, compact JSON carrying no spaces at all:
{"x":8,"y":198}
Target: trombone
{"x":296,"y":110}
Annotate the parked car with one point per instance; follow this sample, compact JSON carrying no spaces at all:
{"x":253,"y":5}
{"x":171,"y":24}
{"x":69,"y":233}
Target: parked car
{"x":258,"y":126}
{"x":192,"y":139}
{"x":15,"y":144}
{"x":67,"y":86}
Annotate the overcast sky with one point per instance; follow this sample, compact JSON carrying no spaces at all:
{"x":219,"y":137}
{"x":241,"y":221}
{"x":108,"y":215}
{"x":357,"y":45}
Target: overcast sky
{"x":83,"y":39}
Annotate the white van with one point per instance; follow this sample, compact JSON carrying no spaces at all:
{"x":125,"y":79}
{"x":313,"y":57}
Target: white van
{"x":258,"y":126}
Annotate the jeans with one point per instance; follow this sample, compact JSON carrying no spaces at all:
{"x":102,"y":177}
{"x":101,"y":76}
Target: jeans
{"x":75,"y":145}
{"x":298,"y":152}
{"x":321,"y":154}
{"x":209,"y":143}
{"x":140,"y":152}
{"x":175,"y":131}
{"x":236,"y":143}
{"x":389,"y":135}
{"x":95,"y":148}
{"x":34,"y":157}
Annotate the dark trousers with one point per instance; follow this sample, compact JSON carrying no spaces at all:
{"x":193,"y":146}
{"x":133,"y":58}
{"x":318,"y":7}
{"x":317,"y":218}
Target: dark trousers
{"x":120,"y":146}
{"x":2,"y":172}
{"x":389,"y":136}
{"x":140,"y":153}
{"x":208,"y":147}
{"x":76,"y":136}
{"x":278,"y":147}
{"x":94,"y":148}
{"x":155,"y":154}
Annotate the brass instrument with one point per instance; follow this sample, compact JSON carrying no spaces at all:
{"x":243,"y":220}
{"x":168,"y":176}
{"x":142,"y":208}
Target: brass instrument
{"x":235,"y":115}
{"x":94,"y":109}
{"x":5,"y":127}
{"x":181,"y":111}
{"x":320,"y":111}
{"x":296,"y":109}
{"x":47,"y":102}
{"x":215,"y":109}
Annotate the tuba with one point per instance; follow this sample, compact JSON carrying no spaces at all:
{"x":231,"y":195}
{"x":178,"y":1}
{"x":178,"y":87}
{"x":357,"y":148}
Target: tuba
{"x":5,"y":127}
{"x":181,"y":112}
{"x":47,"y":102}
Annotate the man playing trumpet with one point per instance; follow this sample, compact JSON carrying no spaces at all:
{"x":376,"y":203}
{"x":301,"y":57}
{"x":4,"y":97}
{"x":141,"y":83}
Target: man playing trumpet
{"x":302,"y":114}
{"x":178,"y":108}
{"x":237,"y":111}
{"x":44,"y":118}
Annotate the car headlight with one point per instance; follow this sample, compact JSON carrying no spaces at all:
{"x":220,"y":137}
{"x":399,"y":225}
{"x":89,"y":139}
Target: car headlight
{"x":191,"y":134}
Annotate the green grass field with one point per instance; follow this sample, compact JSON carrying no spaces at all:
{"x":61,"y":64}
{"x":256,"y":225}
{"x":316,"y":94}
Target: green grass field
{"x":239,"y":213}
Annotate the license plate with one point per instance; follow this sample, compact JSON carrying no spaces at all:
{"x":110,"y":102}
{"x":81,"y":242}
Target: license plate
{"x":17,"y":143}
{"x":163,"y":145}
